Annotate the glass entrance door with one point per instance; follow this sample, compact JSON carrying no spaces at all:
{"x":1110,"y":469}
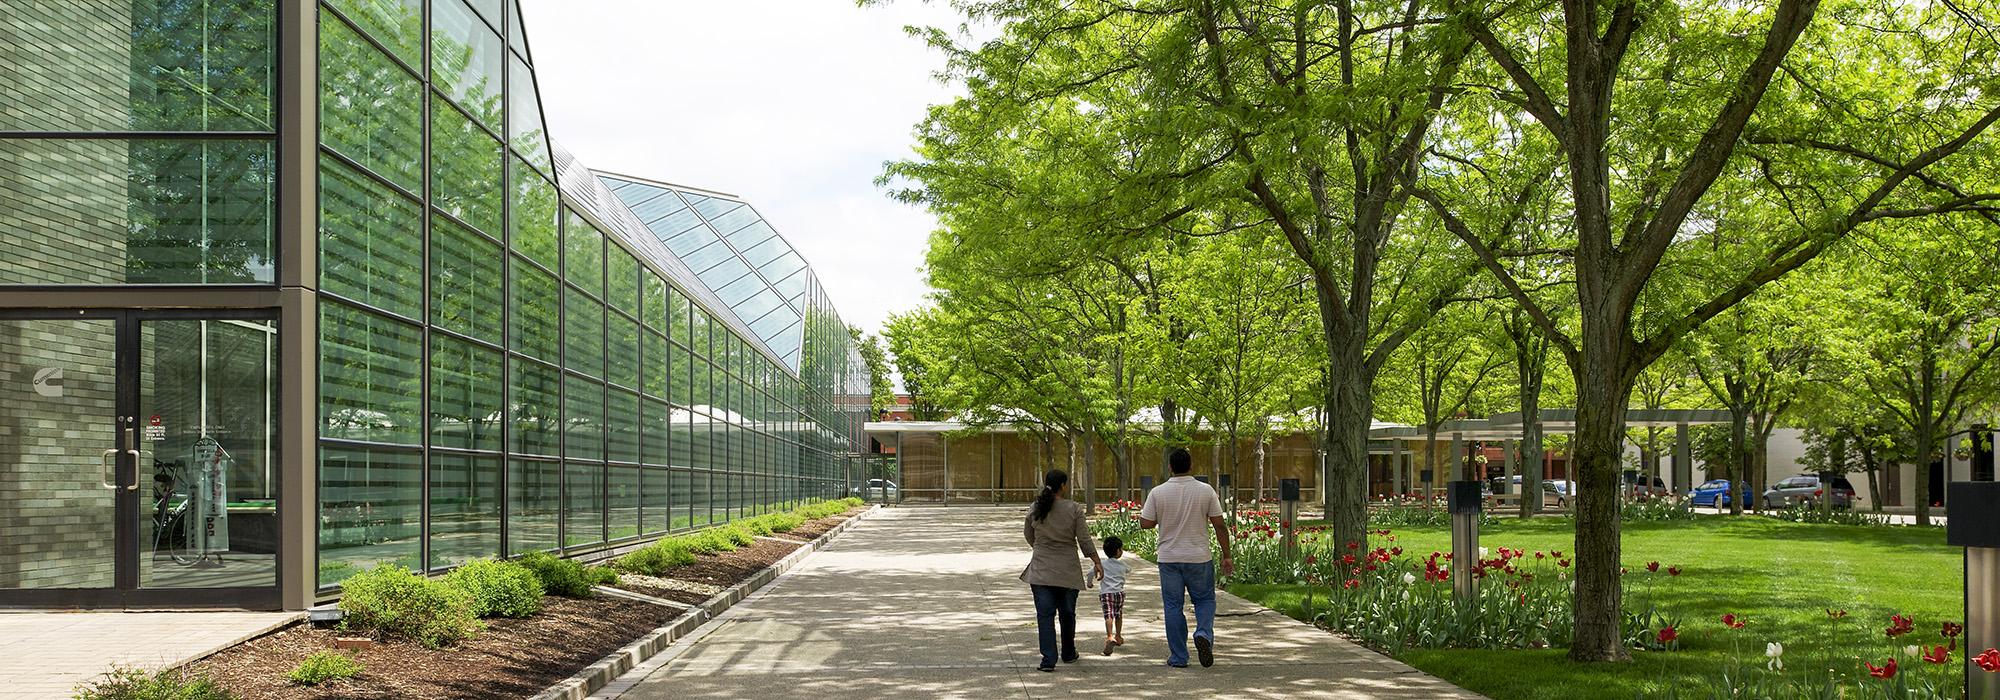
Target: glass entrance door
{"x":138,"y":459}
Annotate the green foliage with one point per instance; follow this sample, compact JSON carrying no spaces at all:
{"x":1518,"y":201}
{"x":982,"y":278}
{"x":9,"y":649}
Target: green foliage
{"x":134,"y":684}
{"x":657,"y":557}
{"x":499,"y":588}
{"x":1806,"y":512}
{"x":1655,"y":510}
{"x":561,"y":576}
{"x":325,"y":666}
{"x":392,"y":600}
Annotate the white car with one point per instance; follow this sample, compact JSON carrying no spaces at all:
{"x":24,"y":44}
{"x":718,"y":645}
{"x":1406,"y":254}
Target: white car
{"x":878,"y":490}
{"x":1554,"y":493}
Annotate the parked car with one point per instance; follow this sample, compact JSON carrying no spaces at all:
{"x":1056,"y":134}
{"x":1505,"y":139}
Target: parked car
{"x":1715,"y":493}
{"x":1554,"y":493}
{"x":878,"y":490}
{"x":1635,"y":486}
{"x":1806,"y":488}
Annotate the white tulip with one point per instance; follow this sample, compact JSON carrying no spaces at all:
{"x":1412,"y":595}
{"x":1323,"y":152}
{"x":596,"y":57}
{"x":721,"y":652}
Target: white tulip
{"x":1913,"y":651}
{"x":1409,"y":578}
{"x":1482,"y":552}
{"x":1777,"y":653}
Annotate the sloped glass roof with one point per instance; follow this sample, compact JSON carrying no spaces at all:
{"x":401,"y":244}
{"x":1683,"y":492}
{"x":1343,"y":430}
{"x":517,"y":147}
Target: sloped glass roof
{"x":738,"y":255}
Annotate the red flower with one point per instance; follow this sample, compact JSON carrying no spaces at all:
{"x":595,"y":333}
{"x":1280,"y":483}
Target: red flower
{"x":1396,"y":551}
{"x":1884,"y":672}
{"x":1668,"y":634}
{"x":1938,"y":655}
{"x":1652,"y":567}
{"x":1952,"y":630}
{"x":1836,"y":614}
{"x":1623,"y":571}
{"x":1988,"y":661}
{"x":1287,"y":524}
{"x":1730,"y":621}
{"x":1556,"y":553}
{"x":1352,"y":583}
{"x":1354,"y":545}
{"x":1524,"y":599}
{"x":1310,"y":559}
{"x":1673,"y":571}
{"x":1540,"y":555}
{"x":1347,"y":559}
{"x":1564,"y":563}
{"x":1899,"y":626}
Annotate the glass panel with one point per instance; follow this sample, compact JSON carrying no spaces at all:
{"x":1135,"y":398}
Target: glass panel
{"x":146,"y":65}
{"x":774,"y":323}
{"x":465,"y":169}
{"x":690,"y":499}
{"x":657,"y":365}
{"x":60,"y":412}
{"x":537,"y":411}
{"x":682,"y":378}
{"x":465,"y":60}
{"x":515,"y":37}
{"x":737,"y":292}
{"x":465,"y":402}
{"x":109,"y":211}
{"x":702,"y":260}
{"x":764,"y":253}
{"x":622,"y":502}
{"x":465,"y":508}
{"x":211,"y":520}
{"x":654,"y":489}
{"x":370,"y":510}
{"x":622,"y":353}
{"x":533,"y":217}
{"x":583,"y":515}
{"x":655,"y":444}
{"x":583,"y":333}
{"x":490,"y":10}
{"x":524,"y":111}
{"x":534,"y":502}
{"x":370,"y":109}
{"x":583,"y":254}
{"x":583,"y":416}
{"x":536,"y":312}
{"x":369,"y":369}
{"x":655,"y":313}
{"x":397,"y":24}
{"x":731,"y":222}
{"x":714,"y":209}
{"x":622,"y":276}
{"x":681,"y":327}
{"x":652,"y":203}
{"x":755,"y":234}
{"x":465,"y":281}
{"x":622,"y":427}
{"x":371,"y":242}
{"x":690,"y":240}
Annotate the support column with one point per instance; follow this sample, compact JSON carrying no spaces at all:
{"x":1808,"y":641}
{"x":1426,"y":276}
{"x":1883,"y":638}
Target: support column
{"x":1458,"y":467}
{"x":298,"y":303}
{"x":1683,"y":460}
{"x":1507,"y":466}
{"x":1398,"y":461}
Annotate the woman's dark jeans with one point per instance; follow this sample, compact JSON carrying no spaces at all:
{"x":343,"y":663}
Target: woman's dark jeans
{"x":1053,"y":604}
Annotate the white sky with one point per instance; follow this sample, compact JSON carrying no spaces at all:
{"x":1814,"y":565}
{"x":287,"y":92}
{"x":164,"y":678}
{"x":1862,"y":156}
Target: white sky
{"x":792,"y":105}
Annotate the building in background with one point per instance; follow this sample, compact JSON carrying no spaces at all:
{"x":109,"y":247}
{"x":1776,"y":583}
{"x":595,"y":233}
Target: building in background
{"x":289,"y":290}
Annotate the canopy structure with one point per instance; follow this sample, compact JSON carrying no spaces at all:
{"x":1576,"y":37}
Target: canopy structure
{"x":1506,"y":427}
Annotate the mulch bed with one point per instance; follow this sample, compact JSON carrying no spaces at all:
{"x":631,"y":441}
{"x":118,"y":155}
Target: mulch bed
{"x":511,"y":658}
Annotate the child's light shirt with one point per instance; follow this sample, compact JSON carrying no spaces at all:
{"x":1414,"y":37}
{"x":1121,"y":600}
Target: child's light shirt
{"x":1114,"y":576}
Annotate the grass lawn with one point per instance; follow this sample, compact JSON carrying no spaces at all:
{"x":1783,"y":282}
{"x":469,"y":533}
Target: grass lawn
{"x":1780,"y":577}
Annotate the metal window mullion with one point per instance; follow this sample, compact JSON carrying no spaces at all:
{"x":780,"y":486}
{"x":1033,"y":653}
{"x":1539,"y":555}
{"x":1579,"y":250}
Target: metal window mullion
{"x":424,"y":305}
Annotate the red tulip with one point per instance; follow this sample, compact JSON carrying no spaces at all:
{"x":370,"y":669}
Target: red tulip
{"x":1899,"y":626}
{"x":1938,"y":655}
{"x":1952,"y":630}
{"x":1673,"y":571}
{"x":1354,"y":545}
{"x":1347,"y":559}
{"x":1653,"y":567}
{"x":1310,"y":559}
{"x":1885,"y":671}
{"x":1731,"y":622}
{"x":1988,"y":661}
{"x":1668,"y":634}
{"x":1563,"y":563}
{"x":1396,"y":551}
{"x":1352,"y":583}
{"x":1836,"y":614}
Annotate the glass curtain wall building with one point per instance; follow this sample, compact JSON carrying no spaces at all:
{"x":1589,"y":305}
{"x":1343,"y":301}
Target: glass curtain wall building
{"x":290,"y":290}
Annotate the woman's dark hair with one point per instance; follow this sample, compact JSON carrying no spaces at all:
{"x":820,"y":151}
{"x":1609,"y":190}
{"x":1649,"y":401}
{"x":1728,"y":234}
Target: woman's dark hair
{"x":1046,"y":500}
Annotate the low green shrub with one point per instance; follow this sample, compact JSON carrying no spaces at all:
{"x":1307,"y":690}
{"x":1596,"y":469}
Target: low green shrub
{"x":134,"y":684}
{"x":824,"y":509}
{"x":499,"y":588}
{"x":560,"y":576}
{"x":392,"y":600}
{"x":742,"y":536}
{"x":657,"y":557}
{"x":600,"y":575}
{"x":325,"y":666}
{"x":710,"y":541}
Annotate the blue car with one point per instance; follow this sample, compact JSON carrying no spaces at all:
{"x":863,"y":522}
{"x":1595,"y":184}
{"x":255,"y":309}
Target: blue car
{"x":1715,"y":494}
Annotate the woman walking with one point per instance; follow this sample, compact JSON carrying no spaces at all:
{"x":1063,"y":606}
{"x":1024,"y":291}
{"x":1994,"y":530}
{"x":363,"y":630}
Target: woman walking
{"x":1056,"y":529}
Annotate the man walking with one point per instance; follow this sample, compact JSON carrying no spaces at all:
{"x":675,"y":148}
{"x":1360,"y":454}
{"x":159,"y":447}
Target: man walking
{"x":1183,"y":509}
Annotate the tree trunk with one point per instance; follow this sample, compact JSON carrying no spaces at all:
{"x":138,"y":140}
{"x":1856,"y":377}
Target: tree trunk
{"x":1926,"y":444}
{"x":1604,"y":384}
{"x":1350,"y":411}
{"x":1739,"y":448}
{"x":1089,"y":479}
{"x":1530,"y":362}
{"x":1261,"y":439}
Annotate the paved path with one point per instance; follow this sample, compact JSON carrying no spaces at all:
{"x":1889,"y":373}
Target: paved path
{"x":47,"y":654}
{"x":924,"y":603}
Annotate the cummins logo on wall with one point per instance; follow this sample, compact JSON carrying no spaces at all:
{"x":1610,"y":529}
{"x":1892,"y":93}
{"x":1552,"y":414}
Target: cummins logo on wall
{"x":48,"y":382}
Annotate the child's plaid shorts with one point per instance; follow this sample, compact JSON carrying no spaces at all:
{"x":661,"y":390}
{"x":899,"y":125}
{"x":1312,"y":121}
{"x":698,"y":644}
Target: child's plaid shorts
{"x":1114,"y":605}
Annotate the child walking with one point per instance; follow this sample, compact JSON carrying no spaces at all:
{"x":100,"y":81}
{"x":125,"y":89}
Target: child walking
{"x":1112,"y":592}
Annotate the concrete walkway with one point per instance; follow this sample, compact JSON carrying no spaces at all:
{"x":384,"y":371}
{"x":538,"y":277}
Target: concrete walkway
{"x":47,"y":654}
{"x":924,"y":603}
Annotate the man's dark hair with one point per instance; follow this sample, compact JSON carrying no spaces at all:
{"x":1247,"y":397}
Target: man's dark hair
{"x":1180,"y":461}
{"x":1113,"y":545}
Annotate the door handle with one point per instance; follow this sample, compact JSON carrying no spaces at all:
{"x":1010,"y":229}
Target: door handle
{"x":134,"y":486}
{"x":110,"y":476}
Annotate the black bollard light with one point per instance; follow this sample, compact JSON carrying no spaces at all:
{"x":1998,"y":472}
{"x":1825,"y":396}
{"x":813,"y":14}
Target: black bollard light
{"x":1462,"y":501}
{"x":1972,"y":521}
{"x":1288,"y":513}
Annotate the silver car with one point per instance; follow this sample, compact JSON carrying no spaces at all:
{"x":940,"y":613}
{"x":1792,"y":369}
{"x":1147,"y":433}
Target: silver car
{"x":878,"y":491}
{"x":1805,"y":488}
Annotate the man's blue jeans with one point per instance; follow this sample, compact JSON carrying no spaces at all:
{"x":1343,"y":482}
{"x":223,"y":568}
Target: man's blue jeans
{"x":1198,"y":581}
{"x":1055,"y":605}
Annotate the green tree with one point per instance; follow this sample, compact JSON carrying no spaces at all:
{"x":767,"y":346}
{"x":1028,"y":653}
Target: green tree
{"x":881,"y":393}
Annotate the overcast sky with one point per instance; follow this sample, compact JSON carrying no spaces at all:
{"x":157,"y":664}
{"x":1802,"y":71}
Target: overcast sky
{"x":792,"y":105}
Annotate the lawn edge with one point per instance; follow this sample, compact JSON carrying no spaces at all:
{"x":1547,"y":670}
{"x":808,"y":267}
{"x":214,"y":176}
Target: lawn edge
{"x":606,"y":670}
